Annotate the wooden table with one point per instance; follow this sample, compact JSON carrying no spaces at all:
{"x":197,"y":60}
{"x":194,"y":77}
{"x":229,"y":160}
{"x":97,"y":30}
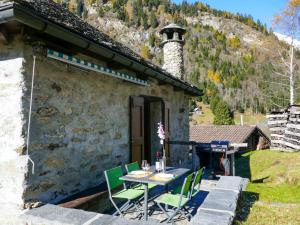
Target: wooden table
{"x":151,"y":179}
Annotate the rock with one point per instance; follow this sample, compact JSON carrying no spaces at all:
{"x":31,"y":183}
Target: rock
{"x":54,"y":162}
{"x":32,"y":205}
{"x":81,"y":130}
{"x":44,"y":185}
{"x":47,"y":111}
{"x":118,"y":136}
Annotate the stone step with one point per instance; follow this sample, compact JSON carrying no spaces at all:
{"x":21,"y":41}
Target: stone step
{"x":56,"y":215}
{"x":220,"y":205}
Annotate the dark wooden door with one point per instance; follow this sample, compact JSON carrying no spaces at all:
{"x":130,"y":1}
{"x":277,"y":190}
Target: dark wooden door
{"x":137,"y":128}
{"x":167,"y":114}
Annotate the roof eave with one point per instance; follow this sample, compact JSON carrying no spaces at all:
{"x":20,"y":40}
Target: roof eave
{"x":14,"y":11}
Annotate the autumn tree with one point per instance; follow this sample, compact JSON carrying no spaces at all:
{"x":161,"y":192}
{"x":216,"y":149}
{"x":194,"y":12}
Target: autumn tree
{"x":145,"y":52}
{"x":234,"y":42}
{"x":289,"y":23}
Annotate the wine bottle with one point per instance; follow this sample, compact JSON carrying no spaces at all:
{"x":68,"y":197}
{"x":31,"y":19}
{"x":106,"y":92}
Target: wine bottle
{"x":157,"y":163}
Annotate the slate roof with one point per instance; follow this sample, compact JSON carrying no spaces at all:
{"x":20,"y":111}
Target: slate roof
{"x":57,"y":14}
{"x":232,"y":133}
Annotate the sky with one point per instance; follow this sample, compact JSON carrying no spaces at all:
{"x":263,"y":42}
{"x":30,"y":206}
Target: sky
{"x":264,"y":10}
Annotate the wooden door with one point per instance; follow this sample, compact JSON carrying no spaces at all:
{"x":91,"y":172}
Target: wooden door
{"x":137,"y":128}
{"x":166,"y":119}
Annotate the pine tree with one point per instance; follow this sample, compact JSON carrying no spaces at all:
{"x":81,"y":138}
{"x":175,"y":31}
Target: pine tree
{"x":152,"y":39}
{"x":153,"y":20}
{"x":222,"y":114}
{"x":145,"y":21}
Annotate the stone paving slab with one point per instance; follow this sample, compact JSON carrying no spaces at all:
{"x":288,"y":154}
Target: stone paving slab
{"x":55,"y":215}
{"x":230,"y":183}
{"x":216,"y":208}
{"x":204,"y":217}
{"x":221,"y":200}
{"x":106,"y":219}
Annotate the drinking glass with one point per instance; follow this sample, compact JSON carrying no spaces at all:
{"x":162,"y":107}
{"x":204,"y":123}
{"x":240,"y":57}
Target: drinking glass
{"x":147,"y":168}
{"x":144,"y":164}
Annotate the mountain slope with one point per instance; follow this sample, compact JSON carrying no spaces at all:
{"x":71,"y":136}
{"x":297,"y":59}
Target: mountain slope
{"x":231,"y":57}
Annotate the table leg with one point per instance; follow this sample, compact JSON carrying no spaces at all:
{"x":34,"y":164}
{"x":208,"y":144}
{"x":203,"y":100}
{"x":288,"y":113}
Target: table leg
{"x":232,"y":165}
{"x":146,"y":202}
{"x":166,"y":191}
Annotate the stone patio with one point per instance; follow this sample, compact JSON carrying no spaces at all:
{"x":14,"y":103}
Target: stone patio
{"x":215,"y":204}
{"x":156,"y":215}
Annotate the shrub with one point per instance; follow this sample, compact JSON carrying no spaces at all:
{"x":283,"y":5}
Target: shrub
{"x":145,"y":52}
{"x":234,"y":42}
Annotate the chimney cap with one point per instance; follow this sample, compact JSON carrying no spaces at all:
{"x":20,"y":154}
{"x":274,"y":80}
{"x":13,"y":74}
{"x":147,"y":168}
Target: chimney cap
{"x":173,"y":27}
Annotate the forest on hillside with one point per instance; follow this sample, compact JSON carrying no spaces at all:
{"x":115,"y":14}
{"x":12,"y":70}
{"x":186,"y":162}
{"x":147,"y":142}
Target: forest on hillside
{"x":235,"y":74}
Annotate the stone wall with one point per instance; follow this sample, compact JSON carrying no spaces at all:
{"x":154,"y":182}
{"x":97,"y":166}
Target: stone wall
{"x":285,"y":128}
{"x":80,"y":127}
{"x":173,"y":58}
{"x":13,"y":164}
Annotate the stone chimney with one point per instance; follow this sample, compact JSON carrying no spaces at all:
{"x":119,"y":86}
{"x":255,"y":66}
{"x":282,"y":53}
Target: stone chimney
{"x":172,"y":44}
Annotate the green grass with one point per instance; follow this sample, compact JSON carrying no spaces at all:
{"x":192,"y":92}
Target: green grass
{"x":250,"y":118}
{"x":273,"y":194}
{"x":207,"y":117}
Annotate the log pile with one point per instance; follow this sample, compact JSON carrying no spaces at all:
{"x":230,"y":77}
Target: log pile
{"x":285,"y":128}
{"x":277,"y":122}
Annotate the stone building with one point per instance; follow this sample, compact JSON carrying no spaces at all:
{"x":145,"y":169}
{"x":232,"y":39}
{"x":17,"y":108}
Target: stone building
{"x":95,"y":105}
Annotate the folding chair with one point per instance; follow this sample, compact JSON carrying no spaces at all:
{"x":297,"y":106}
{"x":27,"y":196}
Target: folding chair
{"x":133,"y":167}
{"x":197,"y":182}
{"x":195,"y":188}
{"x":131,"y":195}
{"x":177,"y":202}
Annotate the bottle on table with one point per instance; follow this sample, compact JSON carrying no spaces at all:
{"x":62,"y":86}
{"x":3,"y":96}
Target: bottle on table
{"x":158,"y":162}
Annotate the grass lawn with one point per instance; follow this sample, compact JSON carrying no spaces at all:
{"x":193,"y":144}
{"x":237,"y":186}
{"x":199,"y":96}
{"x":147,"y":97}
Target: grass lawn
{"x":207,"y":117}
{"x":273,"y":194}
{"x":250,"y":118}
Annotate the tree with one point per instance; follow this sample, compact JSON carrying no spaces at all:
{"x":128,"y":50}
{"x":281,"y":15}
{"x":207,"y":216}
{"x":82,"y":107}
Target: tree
{"x":153,"y":20}
{"x":234,"y":42}
{"x":130,"y":10}
{"x":145,"y":21}
{"x":145,"y":52}
{"x":288,"y":22}
{"x":152,"y":39}
{"x":222,"y":114}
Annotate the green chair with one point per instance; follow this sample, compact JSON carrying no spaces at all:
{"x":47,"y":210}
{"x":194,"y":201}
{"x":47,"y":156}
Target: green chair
{"x":114,"y":182}
{"x":177,"y":202}
{"x":133,"y":167}
{"x":197,"y":182}
{"x":195,"y":188}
